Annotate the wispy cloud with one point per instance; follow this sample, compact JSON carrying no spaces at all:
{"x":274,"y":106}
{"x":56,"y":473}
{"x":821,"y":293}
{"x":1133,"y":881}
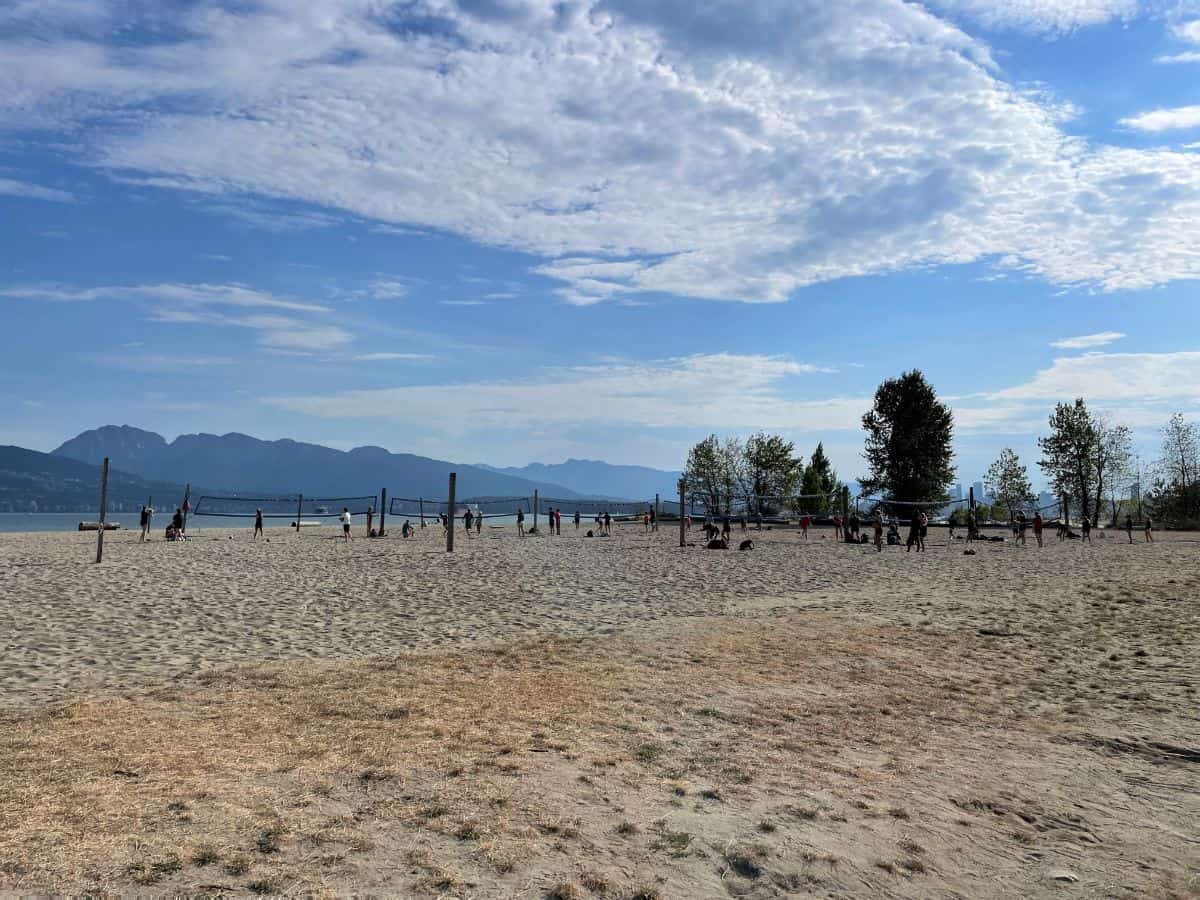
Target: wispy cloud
{"x":1174,"y":119}
{"x":699,"y":159}
{"x":187,"y":294}
{"x":711,"y":391}
{"x":12,"y":188}
{"x":1087,"y":341}
{"x":394,"y":357}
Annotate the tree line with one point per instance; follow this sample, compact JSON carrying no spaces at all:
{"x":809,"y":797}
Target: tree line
{"x":1086,"y":457}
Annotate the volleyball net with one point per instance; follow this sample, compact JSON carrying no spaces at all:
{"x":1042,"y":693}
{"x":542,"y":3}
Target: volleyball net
{"x":589,"y":509}
{"x":286,"y":507}
{"x":427,"y":509}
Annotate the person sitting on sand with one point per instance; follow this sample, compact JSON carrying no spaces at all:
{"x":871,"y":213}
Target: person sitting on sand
{"x":1129,"y":527}
{"x":347,"y":520}
{"x":1148,"y":530}
{"x":258,"y":523}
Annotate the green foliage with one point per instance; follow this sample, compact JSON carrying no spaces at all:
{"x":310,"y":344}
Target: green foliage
{"x":716,"y":470}
{"x":1007,"y":481}
{"x":1175,"y":496}
{"x":819,"y":478}
{"x":771,"y":467}
{"x":909,"y":434}
{"x":1084,"y":456}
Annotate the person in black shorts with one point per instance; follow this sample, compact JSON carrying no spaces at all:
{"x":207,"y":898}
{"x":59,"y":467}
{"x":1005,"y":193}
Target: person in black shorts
{"x":520,"y":523}
{"x":346,"y":519}
{"x":258,"y":523}
{"x":1086,"y":526}
{"x":145,"y":522}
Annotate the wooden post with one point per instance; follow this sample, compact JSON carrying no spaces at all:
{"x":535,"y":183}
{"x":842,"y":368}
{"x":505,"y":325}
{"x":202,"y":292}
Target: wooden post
{"x":657,"y":511}
{"x":971,"y":499}
{"x":536,"y":504}
{"x":382,"y":509}
{"x":682,"y":523}
{"x":103,"y":508}
{"x":1066,"y":509}
{"x":450,"y":514}
{"x":299,"y":507}
{"x":421,"y":510}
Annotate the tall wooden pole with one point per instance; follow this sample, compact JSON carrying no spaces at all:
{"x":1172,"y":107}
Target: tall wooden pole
{"x":657,"y":510}
{"x":382,"y":509}
{"x":536,"y":504}
{"x":421,"y":510}
{"x":450,"y":514}
{"x":682,"y":523}
{"x":103,"y":509}
{"x":299,"y":509}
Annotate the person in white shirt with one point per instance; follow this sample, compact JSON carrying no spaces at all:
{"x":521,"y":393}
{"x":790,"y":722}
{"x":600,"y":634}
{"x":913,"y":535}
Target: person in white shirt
{"x":345,"y":524}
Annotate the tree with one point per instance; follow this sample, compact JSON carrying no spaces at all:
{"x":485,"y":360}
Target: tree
{"x":772,"y":471}
{"x":1068,"y":451}
{"x":908,"y":448}
{"x":819,"y":478}
{"x":1007,"y":482}
{"x":715,"y":470}
{"x":1112,"y":460}
{"x":1179,"y":466}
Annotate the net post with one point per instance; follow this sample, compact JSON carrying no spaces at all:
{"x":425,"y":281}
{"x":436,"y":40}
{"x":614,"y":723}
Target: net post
{"x":657,"y":511}
{"x":382,"y":509}
{"x":103,"y":507}
{"x":421,"y":510}
{"x":682,"y":526}
{"x":536,"y":504}
{"x":299,"y":508}
{"x":450,"y":514}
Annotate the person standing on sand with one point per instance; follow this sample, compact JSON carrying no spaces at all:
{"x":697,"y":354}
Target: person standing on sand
{"x":646,"y":522}
{"x":145,"y":522}
{"x":577,"y":517}
{"x":914,"y":534}
{"x":1129,"y":527}
{"x":558,"y":521}
{"x":855,"y":526}
{"x":1086,"y":526}
{"x":653,"y":520}
{"x":1038,"y":526}
{"x":879,"y":531}
{"x":923,"y":532}
{"x":1021,"y":525}
{"x":468,"y":521}
{"x":347,"y":520}
{"x":607,"y":524}
{"x":479,"y":523}
{"x":1148,"y":530}
{"x":804,"y":520}
{"x":520,"y":523}
{"x":258,"y":523}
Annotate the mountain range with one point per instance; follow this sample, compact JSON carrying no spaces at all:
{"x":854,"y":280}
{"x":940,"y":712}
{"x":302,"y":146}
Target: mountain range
{"x":143,"y":463}
{"x":600,"y":479}
{"x":40,"y":482}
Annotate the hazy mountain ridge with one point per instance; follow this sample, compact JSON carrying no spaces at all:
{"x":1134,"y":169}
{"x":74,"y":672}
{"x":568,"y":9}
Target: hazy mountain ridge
{"x":240,"y":463}
{"x":600,"y":479}
{"x":41,"y":482}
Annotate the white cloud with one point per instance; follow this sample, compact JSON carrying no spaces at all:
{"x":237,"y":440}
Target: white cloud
{"x":1188,"y":30}
{"x":386,"y":289}
{"x":12,"y":188}
{"x":394,"y":357}
{"x":1190,"y":56}
{"x":1087,"y":341}
{"x":1174,"y":119}
{"x":1041,"y":16}
{"x":1114,"y":377}
{"x":736,"y":149}
{"x":720,"y":391}
{"x":237,"y":295}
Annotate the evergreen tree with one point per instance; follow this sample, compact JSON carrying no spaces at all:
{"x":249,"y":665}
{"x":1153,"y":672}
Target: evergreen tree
{"x":819,"y":478}
{"x":909,"y":434}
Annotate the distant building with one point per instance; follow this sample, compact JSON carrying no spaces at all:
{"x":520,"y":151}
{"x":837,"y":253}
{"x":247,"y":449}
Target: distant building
{"x":980,"y":494}
{"x":956,"y":492}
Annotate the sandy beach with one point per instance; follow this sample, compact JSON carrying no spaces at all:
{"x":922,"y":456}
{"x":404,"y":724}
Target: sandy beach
{"x":607,"y":717}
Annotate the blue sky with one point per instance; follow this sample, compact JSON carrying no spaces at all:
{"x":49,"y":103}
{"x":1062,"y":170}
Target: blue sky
{"x":511,"y":230}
